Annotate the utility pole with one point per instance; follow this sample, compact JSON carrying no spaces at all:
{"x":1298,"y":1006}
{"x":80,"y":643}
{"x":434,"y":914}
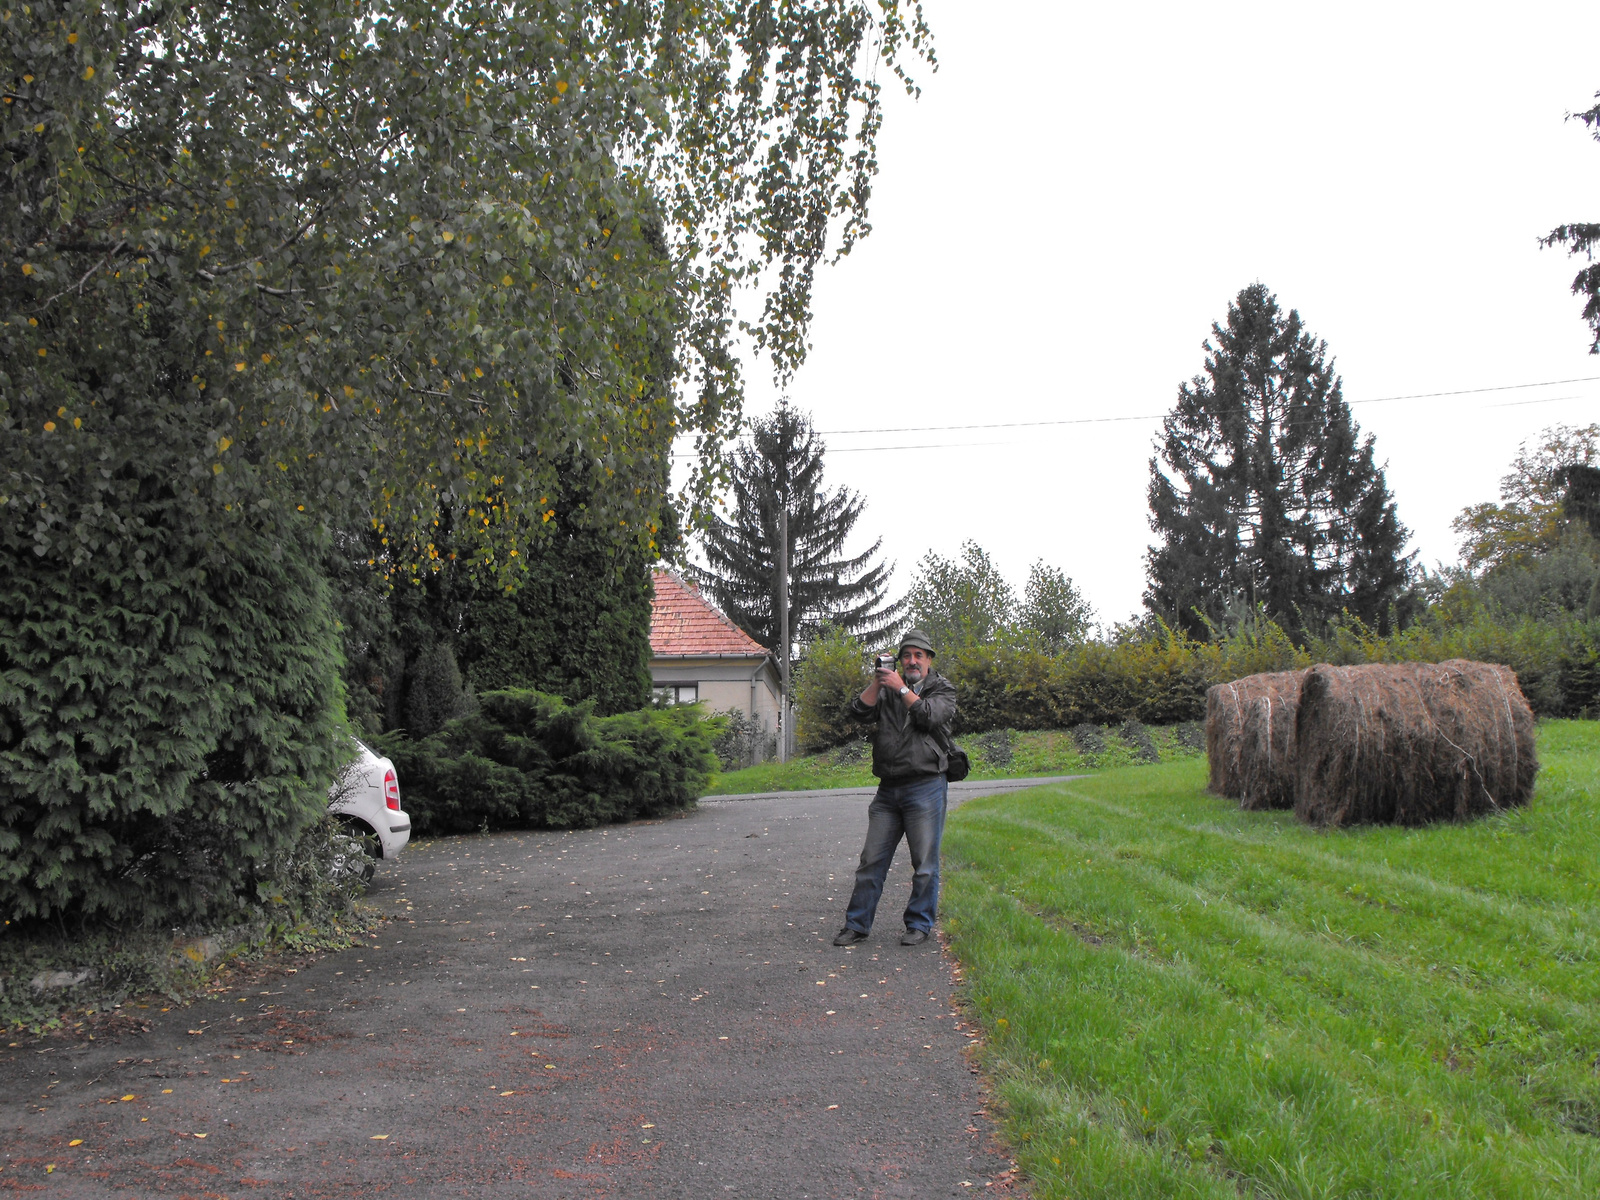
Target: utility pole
{"x":783,"y":626}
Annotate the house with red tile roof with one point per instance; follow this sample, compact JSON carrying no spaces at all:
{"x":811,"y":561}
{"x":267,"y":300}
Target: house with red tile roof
{"x":697,"y":654}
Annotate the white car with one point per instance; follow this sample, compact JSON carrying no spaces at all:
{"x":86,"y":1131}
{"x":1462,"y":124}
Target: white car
{"x":367,"y":799}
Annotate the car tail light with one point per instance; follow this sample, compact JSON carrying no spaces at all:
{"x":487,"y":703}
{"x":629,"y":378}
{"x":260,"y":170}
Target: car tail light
{"x":391,"y":790}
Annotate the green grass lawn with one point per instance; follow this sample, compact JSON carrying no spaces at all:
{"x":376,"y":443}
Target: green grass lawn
{"x":1003,"y":754}
{"x":1182,"y":999}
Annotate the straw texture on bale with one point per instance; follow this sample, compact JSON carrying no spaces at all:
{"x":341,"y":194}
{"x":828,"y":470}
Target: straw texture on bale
{"x":1250,"y":727}
{"x":1410,"y":743}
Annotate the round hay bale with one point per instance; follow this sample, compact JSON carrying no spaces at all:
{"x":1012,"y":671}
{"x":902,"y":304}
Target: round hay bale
{"x":1250,"y":738}
{"x":1410,"y":743}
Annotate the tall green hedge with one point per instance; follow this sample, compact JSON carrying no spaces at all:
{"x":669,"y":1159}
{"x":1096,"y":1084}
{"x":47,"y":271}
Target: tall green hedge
{"x":526,"y":760}
{"x":578,"y":626}
{"x":170,"y":714}
{"x":1161,"y":678}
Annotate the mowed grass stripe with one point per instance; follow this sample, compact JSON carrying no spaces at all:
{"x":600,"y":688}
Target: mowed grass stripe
{"x":1347,"y":1000}
{"x":1257,"y":1019}
{"x":1402,"y":921}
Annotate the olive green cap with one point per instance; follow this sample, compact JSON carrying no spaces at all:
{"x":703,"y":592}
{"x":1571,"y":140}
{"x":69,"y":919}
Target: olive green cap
{"x":919,"y":639}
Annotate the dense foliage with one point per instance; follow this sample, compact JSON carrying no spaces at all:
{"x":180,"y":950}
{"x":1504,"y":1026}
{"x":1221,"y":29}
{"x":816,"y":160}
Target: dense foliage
{"x":1160,"y":677}
{"x":170,"y":714}
{"x":390,"y":258}
{"x":1263,"y":492}
{"x":1531,"y":518}
{"x":968,"y":602}
{"x":833,"y":671}
{"x":392,"y":271}
{"x":576,"y":626}
{"x":525,"y":760}
{"x":778,"y":471}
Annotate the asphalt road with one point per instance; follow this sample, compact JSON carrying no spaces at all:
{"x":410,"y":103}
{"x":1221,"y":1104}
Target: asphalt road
{"x":644,"y":1010}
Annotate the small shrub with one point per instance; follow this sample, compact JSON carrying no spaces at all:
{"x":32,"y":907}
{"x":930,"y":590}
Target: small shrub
{"x":320,"y":876}
{"x":853,"y":752}
{"x":743,"y":741}
{"x":435,"y":693}
{"x":1090,"y":740}
{"x":1138,"y":740}
{"x":526,"y":760}
{"x":994,"y":747}
{"x":1190,"y":735}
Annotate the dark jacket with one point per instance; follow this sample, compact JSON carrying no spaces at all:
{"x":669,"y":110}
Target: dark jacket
{"x":908,"y":744}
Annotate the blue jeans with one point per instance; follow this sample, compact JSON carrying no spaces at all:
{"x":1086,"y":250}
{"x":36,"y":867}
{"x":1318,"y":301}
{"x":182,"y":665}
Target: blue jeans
{"x":913,"y":810}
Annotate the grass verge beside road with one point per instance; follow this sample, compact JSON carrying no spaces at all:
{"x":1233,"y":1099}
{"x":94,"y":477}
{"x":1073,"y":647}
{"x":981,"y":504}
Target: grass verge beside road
{"x":1183,"y":999}
{"x":1001,"y":754}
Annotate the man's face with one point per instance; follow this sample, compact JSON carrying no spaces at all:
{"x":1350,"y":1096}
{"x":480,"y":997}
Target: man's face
{"x":914,"y":664}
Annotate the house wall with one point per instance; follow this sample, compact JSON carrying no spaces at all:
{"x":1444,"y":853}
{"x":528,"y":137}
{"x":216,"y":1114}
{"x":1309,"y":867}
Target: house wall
{"x":725,"y":683}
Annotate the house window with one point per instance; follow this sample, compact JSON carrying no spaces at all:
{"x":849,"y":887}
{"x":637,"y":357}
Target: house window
{"x":678,"y":693}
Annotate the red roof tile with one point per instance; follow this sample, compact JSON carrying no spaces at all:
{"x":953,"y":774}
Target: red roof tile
{"x":682,"y":621}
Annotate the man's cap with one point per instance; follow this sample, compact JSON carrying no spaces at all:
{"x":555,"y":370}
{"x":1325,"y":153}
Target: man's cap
{"x":917,"y":638}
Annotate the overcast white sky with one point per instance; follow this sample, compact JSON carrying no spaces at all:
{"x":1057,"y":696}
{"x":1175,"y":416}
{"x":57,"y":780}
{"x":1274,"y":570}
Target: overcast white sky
{"x":1080,"y":191}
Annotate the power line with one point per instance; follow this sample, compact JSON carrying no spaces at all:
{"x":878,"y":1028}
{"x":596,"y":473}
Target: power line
{"x":1509,"y":387}
{"x":931,"y":429}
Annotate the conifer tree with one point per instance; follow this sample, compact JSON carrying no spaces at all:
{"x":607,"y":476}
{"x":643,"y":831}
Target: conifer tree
{"x":783,"y":457}
{"x":1263,"y":492}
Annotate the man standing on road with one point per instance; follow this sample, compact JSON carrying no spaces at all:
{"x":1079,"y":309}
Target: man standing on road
{"x":914,"y":715}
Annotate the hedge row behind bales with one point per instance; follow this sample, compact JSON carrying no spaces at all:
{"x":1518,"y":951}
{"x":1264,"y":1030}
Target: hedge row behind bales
{"x":526,"y":760}
{"x":1161,"y":677}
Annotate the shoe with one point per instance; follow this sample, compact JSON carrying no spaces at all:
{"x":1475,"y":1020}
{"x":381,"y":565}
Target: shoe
{"x":913,"y":937}
{"x":849,"y":937}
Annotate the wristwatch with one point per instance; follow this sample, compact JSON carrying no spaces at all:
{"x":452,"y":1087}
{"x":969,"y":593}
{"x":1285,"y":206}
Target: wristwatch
{"x":904,"y":689}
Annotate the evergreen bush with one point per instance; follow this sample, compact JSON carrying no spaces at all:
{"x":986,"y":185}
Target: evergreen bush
{"x":577,"y":626}
{"x":1090,"y":741}
{"x":434,"y":693}
{"x":993,"y":748}
{"x":170,"y":715}
{"x":1137,"y":738}
{"x":526,"y":760}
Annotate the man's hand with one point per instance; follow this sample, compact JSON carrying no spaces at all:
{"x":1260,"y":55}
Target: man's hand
{"x":890,"y":681}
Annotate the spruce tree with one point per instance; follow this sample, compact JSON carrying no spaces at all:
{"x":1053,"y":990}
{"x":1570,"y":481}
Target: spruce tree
{"x":783,"y":457}
{"x":1263,"y":492}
